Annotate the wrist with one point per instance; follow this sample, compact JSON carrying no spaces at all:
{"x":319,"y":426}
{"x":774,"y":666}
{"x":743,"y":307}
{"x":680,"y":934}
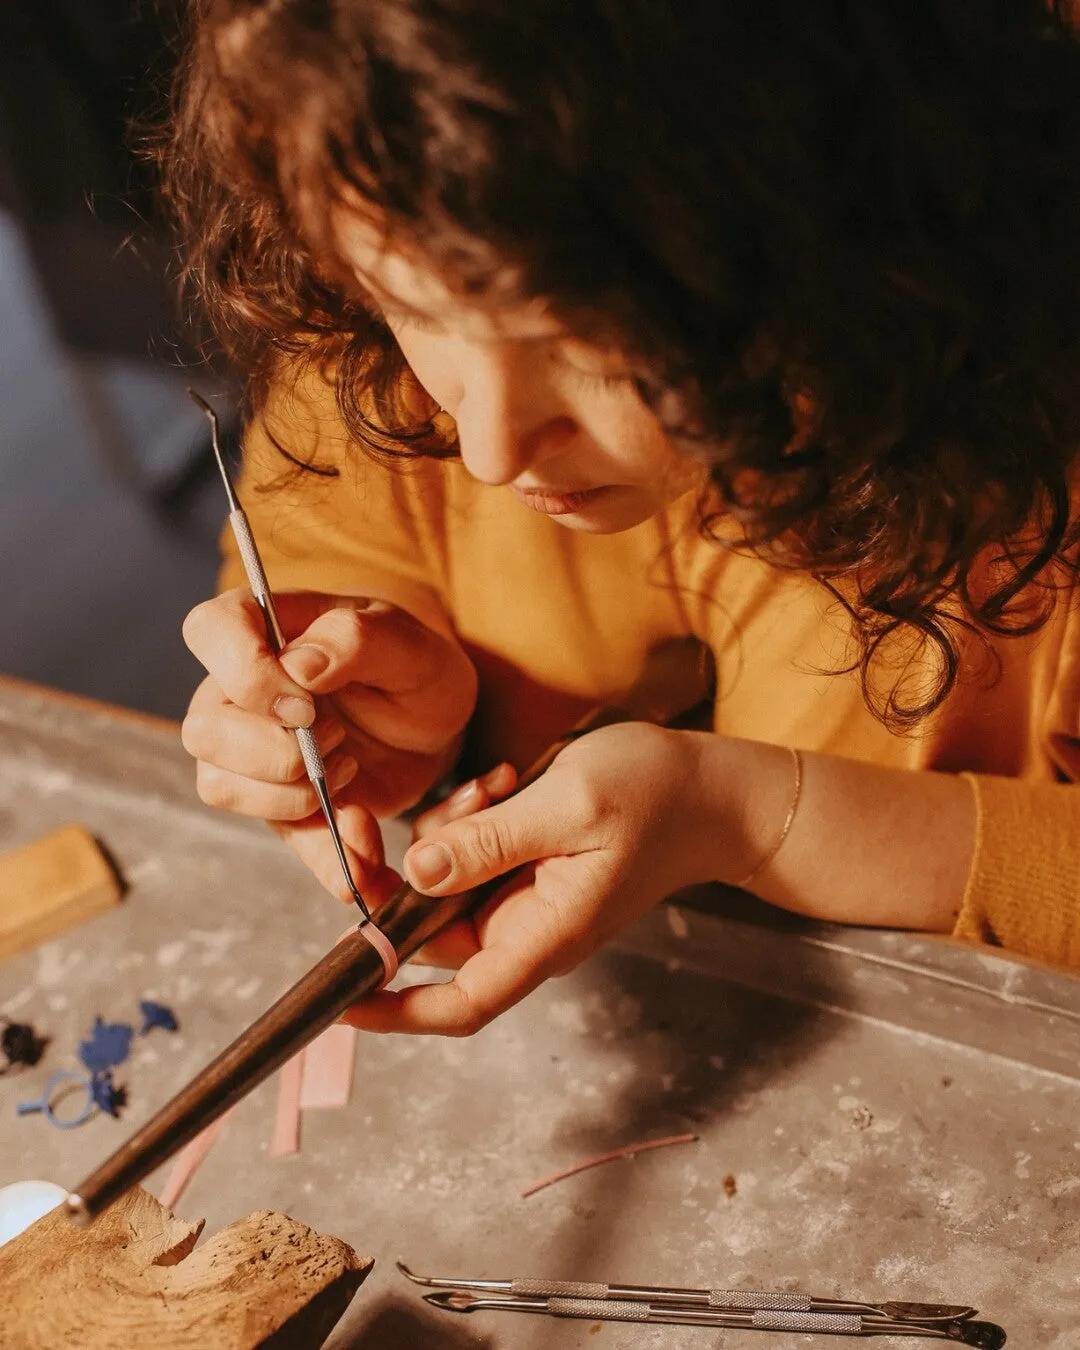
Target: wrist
{"x":742,"y":808}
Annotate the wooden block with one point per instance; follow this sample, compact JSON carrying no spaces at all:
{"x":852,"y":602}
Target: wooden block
{"x":51,"y":885}
{"x":132,"y":1279}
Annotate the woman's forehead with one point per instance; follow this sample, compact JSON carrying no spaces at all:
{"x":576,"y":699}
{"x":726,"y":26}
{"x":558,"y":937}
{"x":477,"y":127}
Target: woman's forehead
{"x":400,"y":281}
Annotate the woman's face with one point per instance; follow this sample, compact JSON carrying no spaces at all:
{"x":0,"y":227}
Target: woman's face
{"x":555,"y":420}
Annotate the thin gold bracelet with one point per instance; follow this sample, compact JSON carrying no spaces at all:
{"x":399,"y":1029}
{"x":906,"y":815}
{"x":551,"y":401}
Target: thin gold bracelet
{"x":796,"y":794}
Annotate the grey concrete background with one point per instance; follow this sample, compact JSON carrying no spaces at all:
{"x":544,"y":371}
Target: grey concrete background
{"x":94,"y":578}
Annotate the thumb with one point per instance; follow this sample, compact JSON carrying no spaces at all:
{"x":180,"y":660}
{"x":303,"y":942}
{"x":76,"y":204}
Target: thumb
{"x":395,"y":678}
{"x":479,"y":848}
{"x":346,"y":643}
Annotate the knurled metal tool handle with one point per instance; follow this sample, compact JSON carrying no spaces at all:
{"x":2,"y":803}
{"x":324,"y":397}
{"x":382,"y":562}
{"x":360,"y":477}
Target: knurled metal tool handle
{"x":558,"y":1289}
{"x":610,"y":1310}
{"x":835,"y":1324}
{"x":309,"y":748}
{"x":256,"y":576}
{"x":752,"y":1300}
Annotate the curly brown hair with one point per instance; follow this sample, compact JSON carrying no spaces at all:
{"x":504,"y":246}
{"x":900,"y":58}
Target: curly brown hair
{"x":867,"y":208}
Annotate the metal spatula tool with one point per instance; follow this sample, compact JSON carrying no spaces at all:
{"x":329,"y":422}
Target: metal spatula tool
{"x":754,"y":1310}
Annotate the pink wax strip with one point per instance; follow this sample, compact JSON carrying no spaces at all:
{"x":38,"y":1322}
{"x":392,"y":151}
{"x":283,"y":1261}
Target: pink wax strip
{"x":286,"y":1137}
{"x":627,"y":1151}
{"x":189,"y":1159}
{"x":328,"y":1069}
{"x":383,"y":946}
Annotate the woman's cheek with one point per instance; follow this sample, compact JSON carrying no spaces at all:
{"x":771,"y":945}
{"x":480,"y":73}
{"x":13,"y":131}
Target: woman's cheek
{"x":645,"y":452}
{"x":432,"y":361}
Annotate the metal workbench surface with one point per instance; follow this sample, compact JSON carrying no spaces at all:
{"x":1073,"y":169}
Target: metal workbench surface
{"x":900,"y":1117}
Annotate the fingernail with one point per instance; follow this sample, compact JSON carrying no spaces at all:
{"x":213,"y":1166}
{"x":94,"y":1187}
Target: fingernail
{"x":429,"y":865}
{"x":293,"y":711}
{"x":464,"y":794}
{"x":495,"y":775}
{"x":343,"y":772}
{"x":305,"y":663}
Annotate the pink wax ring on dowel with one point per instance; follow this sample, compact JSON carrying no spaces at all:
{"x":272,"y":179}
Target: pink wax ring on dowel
{"x":383,"y":946}
{"x":376,"y":938}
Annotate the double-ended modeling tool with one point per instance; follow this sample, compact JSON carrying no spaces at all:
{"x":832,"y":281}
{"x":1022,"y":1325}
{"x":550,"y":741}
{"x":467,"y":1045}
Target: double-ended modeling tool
{"x":751,"y":1310}
{"x":264,"y":598}
{"x":676,"y":684}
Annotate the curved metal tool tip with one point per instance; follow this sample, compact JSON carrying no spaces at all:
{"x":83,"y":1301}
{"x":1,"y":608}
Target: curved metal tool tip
{"x":982,"y":1335}
{"x":215,"y":426}
{"x":450,"y":1301}
{"x":439,"y":1282}
{"x":215,"y":441}
{"x":410,"y":1275}
{"x":928,"y":1312}
{"x":196,"y":397}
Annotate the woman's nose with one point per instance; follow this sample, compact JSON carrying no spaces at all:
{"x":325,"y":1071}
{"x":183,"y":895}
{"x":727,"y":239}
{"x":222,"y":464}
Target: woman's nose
{"x":510,"y":417}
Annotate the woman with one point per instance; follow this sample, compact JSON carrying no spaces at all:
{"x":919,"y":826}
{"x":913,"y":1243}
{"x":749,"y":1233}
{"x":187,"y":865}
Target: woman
{"x":573,"y":328}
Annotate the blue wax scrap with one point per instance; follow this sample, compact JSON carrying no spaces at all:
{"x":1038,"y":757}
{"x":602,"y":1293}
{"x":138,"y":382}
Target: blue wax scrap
{"x":107,"y":1096}
{"x":108,"y":1044}
{"x":156,"y":1015}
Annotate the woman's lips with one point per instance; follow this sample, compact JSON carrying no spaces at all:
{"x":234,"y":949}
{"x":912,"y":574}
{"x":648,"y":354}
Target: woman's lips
{"x":557,"y":503}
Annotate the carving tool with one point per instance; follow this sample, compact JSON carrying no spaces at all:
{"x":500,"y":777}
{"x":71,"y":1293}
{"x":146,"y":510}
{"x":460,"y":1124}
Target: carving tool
{"x":264,"y":598}
{"x":982,"y":1335}
{"x":727,"y":1300}
{"x":676,"y":684}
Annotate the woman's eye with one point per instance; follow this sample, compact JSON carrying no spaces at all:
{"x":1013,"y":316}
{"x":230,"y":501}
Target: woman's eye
{"x":595,"y":377}
{"x":407,"y":318}
{"x":598,"y":379}
{"x":592,"y":368}
{"x":420,"y":323}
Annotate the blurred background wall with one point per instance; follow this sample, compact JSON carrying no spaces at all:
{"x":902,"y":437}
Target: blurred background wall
{"x":109,"y":510}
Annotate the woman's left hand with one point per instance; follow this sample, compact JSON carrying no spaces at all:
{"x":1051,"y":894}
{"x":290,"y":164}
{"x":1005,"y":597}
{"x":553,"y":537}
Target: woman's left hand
{"x":613,"y":827}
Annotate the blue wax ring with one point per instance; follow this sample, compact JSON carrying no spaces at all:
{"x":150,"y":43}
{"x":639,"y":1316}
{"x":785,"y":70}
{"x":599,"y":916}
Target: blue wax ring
{"x":44,"y":1105}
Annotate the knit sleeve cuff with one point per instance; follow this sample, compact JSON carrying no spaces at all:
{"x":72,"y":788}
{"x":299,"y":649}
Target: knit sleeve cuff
{"x":1023,"y":891}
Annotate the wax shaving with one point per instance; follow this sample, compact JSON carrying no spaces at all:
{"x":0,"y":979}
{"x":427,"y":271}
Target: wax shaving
{"x":627,"y":1151}
{"x":107,"y":1095}
{"x":285,"y":1140}
{"x":108,"y":1045}
{"x":20,"y":1044}
{"x":189,"y":1160}
{"x":156,"y":1015}
{"x":329,"y":1061}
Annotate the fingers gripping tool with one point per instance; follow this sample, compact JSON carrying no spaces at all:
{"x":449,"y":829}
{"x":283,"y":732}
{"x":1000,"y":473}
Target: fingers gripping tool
{"x":260,"y":590}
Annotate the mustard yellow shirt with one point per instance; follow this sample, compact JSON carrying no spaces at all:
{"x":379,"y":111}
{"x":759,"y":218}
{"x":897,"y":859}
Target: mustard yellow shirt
{"x":556,"y":620}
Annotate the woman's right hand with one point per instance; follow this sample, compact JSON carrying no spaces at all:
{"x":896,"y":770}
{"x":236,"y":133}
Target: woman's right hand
{"x":393,"y":699}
